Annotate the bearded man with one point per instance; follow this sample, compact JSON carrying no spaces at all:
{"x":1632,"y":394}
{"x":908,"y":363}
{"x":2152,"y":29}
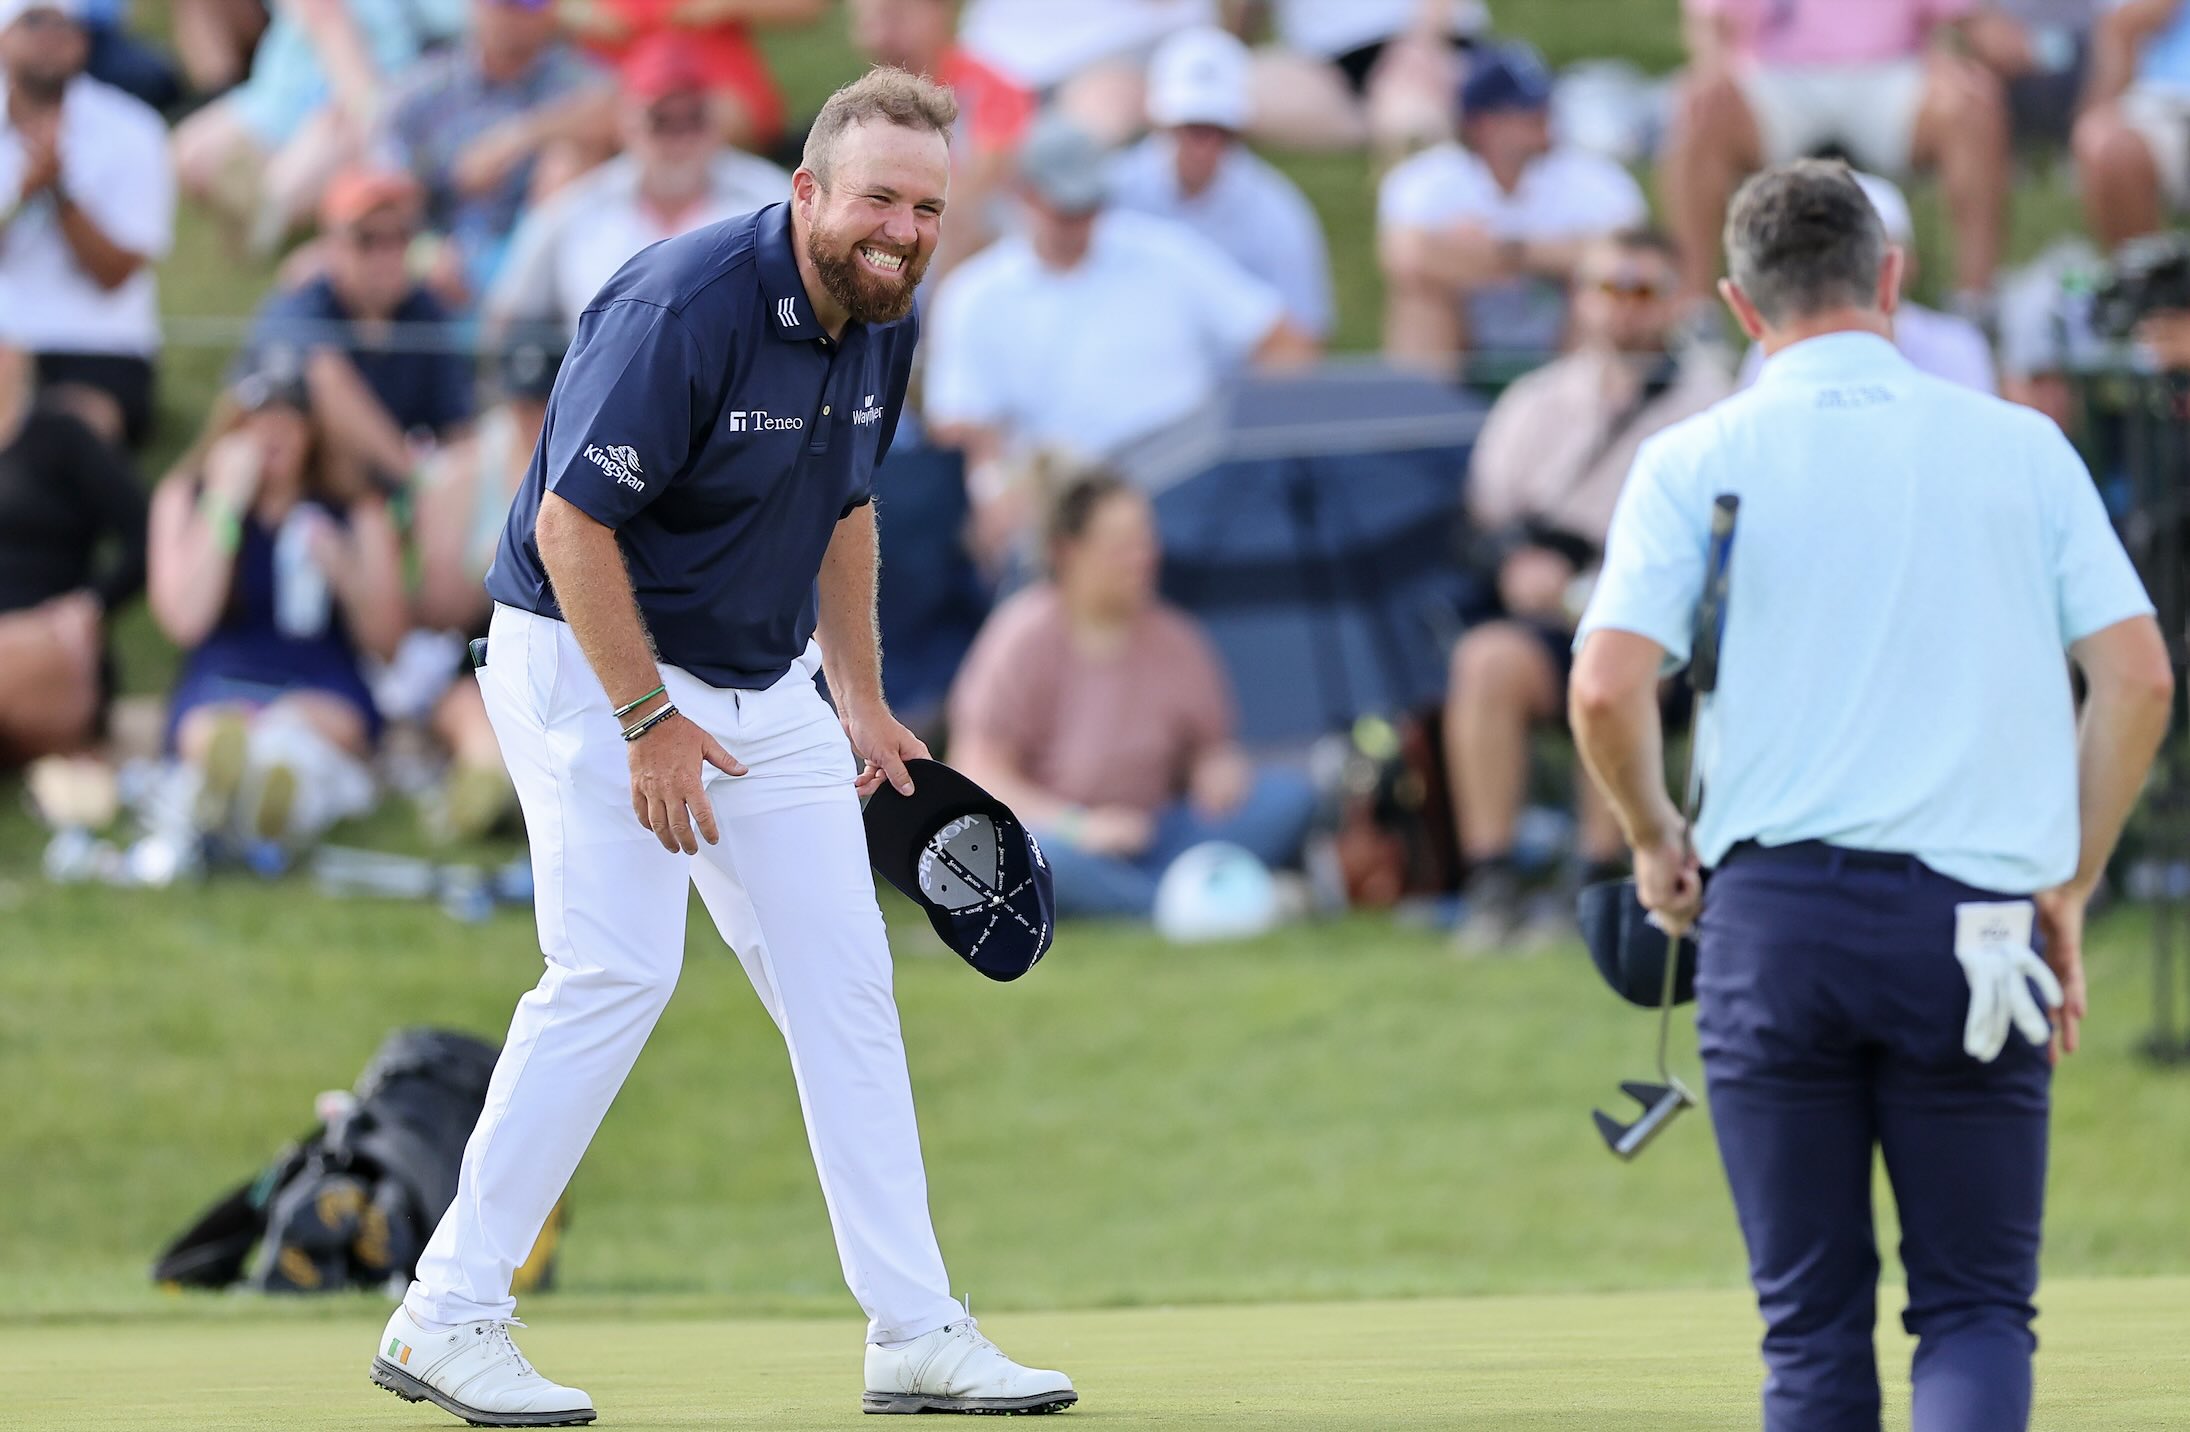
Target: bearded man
{"x":692,"y":544}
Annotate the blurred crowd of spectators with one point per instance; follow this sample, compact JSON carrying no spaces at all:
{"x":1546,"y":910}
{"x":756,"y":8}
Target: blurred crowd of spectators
{"x":439,"y":186}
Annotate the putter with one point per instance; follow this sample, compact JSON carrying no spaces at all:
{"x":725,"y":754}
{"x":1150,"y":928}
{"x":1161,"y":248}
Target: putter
{"x":1662,"y":1102}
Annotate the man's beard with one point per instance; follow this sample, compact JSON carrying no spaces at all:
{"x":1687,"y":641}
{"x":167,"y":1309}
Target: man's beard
{"x":867,"y":297}
{"x":42,"y":88}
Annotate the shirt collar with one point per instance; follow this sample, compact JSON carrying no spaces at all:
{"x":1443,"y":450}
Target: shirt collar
{"x":790,"y":311}
{"x":1832,"y":356}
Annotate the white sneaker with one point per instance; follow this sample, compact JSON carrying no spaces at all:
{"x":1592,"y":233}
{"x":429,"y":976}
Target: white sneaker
{"x":475,"y":1371}
{"x":955,"y":1369}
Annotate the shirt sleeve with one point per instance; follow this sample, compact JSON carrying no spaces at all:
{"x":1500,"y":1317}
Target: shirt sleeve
{"x":1654,"y":556}
{"x":1304,"y":261}
{"x":126,"y":183}
{"x":1405,"y":201}
{"x":988,"y":698}
{"x":1236,"y":309}
{"x":619,"y":427}
{"x":1204,"y":690}
{"x":2094,"y":581}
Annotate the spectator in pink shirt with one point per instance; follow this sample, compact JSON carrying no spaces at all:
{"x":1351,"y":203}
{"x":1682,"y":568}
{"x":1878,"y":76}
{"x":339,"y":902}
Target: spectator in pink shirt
{"x":1101,"y":715}
{"x":1774,"y":80}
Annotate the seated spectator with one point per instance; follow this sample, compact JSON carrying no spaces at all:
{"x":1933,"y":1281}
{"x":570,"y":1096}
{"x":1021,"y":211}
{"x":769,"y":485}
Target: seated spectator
{"x":261,"y":153}
{"x":276,"y":583}
{"x":214,"y":40}
{"x":122,"y":60}
{"x":462,"y":504}
{"x":1085,"y":57}
{"x":716,"y":35}
{"x":72,"y":535}
{"x":476,"y":121}
{"x":1944,"y":345}
{"x":2041,"y":50}
{"x":1195,"y":170}
{"x":1541,"y":488}
{"x":386,"y":381}
{"x":2133,"y":142}
{"x":87,"y":205}
{"x":673,"y":176}
{"x":1769,"y":81}
{"x":1083,"y":333}
{"x":1479,"y":238}
{"x":1369,"y":72}
{"x":2046,"y":336}
{"x":1103,"y":718}
{"x":993,"y":113}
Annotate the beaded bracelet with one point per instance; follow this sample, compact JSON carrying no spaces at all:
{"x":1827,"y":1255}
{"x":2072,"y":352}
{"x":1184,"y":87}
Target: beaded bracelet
{"x":630,"y":706}
{"x":652,"y":719}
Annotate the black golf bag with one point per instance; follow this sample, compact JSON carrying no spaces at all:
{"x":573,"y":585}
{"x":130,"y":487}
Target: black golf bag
{"x":352,"y":1204}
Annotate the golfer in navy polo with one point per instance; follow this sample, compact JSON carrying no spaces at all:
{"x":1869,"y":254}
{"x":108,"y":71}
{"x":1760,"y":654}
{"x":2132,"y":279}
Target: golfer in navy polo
{"x":693,"y":544}
{"x":1902,"y":806}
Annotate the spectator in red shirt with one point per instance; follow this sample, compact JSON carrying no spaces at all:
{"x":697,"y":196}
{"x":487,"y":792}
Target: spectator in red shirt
{"x":993,"y":111}
{"x":717,"y":35}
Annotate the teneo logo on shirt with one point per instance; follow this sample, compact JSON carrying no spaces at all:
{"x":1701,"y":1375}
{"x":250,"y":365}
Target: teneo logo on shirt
{"x":869,"y":411}
{"x":620,"y":463}
{"x":760,"y":420}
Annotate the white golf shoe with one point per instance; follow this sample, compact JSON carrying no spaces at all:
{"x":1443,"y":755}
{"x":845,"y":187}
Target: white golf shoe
{"x":955,"y":1369}
{"x":475,"y":1371}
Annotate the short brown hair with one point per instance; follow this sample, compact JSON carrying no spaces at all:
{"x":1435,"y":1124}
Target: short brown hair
{"x":1803,"y":238}
{"x":883,"y":95}
{"x":1073,"y":510}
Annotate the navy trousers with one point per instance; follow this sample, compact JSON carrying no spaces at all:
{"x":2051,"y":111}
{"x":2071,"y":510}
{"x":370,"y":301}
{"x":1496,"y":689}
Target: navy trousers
{"x":1830,"y":1010}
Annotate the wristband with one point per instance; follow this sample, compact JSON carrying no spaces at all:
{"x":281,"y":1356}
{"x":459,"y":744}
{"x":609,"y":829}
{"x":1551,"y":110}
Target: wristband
{"x":220,"y":515}
{"x":630,"y":706}
{"x":652,"y":719}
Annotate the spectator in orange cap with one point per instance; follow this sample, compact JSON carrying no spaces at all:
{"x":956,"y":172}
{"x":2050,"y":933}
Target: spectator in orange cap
{"x":718,"y":35}
{"x":387,"y":384}
{"x":674,"y":176}
{"x":994,"y":111}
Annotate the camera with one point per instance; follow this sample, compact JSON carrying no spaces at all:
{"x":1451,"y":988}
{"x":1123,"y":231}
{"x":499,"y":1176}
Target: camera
{"x":2149,"y":275}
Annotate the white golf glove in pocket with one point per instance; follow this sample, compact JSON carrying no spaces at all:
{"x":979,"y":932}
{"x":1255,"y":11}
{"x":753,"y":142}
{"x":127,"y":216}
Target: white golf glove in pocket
{"x":1992,"y":941}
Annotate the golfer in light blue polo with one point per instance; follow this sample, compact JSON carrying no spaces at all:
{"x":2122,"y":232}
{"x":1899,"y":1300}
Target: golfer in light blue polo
{"x":1902,"y":804}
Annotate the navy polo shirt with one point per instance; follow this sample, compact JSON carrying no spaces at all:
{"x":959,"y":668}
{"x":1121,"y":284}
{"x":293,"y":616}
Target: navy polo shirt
{"x":704,"y":414}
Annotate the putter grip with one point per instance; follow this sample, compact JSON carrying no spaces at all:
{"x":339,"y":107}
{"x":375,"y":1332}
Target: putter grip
{"x":1703,"y":656}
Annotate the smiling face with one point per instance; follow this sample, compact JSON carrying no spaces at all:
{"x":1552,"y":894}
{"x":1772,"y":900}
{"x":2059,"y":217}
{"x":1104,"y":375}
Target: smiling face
{"x":868,"y":228}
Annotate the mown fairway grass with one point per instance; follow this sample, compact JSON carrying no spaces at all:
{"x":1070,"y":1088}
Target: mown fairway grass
{"x":2116,"y":1358}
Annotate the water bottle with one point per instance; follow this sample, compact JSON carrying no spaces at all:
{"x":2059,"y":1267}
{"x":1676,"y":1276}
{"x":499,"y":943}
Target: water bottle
{"x":301,"y":596}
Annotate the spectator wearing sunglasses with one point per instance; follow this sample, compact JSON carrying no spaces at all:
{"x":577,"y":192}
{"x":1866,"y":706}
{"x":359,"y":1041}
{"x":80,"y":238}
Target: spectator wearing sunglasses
{"x":1541,"y":487}
{"x":387,"y":384}
{"x":675,"y":175}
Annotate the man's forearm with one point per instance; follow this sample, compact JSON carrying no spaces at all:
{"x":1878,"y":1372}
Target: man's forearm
{"x":1622,"y":742}
{"x":851,"y":639}
{"x":2116,"y":739}
{"x":353,"y":414}
{"x":109,"y":264}
{"x":586,"y":568}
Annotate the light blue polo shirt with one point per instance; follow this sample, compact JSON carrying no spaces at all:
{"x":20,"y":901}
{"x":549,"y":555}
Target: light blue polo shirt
{"x":1910,"y":562}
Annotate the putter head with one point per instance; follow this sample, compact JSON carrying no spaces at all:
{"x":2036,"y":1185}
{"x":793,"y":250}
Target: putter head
{"x":1660,"y":1103}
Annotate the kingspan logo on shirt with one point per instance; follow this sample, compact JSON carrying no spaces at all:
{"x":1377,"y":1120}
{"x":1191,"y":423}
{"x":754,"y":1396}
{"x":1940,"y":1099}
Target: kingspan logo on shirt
{"x":619,"y":462}
{"x":760,"y":420}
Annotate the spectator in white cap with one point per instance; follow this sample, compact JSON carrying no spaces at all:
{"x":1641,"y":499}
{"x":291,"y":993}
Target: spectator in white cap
{"x":87,"y":205}
{"x":1083,"y":333}
{"x":1196,"y":169}
{"x":1941,"y":344}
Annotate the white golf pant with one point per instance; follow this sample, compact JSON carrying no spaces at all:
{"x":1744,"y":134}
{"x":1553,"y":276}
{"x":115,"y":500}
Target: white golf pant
{"x":790,"y":889}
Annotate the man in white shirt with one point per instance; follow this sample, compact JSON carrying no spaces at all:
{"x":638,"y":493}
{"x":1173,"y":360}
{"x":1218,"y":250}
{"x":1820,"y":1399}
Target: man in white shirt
{"x":1479,"y":239}
{"x":1944,"y":345}
{"x":87,"y":204}
{"x":672,"y":177}
{"x":1085,"y":332}
{"x":1196,"y":170}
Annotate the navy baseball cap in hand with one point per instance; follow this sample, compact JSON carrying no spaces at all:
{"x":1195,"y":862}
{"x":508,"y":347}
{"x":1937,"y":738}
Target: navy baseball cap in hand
{"x":1627,"y":949}
{"x":962,"y":856}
